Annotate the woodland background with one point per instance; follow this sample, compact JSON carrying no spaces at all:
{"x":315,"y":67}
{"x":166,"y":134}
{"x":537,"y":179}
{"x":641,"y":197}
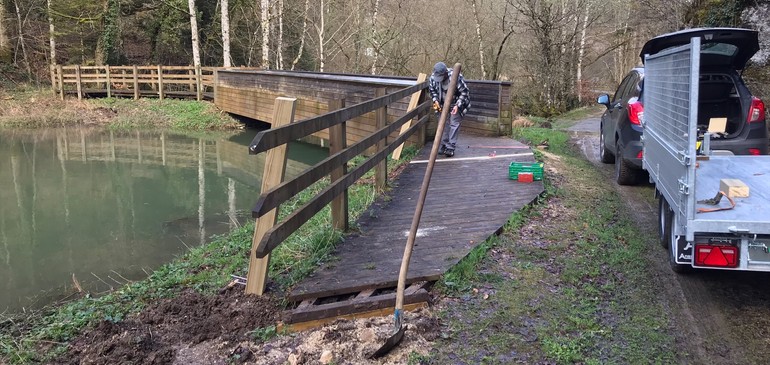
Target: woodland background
{"x":558,"y":53}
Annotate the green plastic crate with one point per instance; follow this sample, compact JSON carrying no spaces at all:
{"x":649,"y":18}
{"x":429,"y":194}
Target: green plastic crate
{"x":536,"y":168}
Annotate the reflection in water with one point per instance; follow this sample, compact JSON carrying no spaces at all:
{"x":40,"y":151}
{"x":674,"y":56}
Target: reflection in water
{"x":108,"y":206}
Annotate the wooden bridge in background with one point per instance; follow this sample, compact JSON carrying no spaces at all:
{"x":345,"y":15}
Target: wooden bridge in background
{"x":470,"y":199}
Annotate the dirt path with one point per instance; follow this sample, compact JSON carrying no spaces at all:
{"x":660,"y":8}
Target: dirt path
{"x":721,"y":317}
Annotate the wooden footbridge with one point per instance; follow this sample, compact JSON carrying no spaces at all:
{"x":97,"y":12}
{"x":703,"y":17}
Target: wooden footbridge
{"x":470,"y":196}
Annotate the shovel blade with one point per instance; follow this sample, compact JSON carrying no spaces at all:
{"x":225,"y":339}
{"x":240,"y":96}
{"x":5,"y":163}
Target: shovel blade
{"x":392,"y":342}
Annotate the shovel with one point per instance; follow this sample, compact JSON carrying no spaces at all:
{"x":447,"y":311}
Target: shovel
{"x":398,"y":331}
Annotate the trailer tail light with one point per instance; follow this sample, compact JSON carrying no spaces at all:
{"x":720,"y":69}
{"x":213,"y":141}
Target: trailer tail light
{"x":754,"y":151}
{"x":640,"y":154}
{"x":756,"y":111}
{"x":716,"y":256}
{"x":636,"y":112}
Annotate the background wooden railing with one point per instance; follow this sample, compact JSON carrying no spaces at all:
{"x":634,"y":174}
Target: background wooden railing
{"x":136,"y":81}
{"x":268,"y":233}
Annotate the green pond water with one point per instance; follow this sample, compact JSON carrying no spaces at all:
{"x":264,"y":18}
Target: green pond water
{"x":106,"y":207}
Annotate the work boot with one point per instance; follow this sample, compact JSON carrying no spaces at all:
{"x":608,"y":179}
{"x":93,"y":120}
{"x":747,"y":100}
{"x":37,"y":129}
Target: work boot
{"x":441,"y":150}
{"x":449,"y":152}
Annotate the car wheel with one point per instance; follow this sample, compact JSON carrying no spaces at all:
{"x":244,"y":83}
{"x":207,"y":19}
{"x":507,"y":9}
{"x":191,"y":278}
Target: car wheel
{"x":673,"y":239}
{"x":664,"y":216}
{"x":605,"y":156}
{"x":624,"y":174}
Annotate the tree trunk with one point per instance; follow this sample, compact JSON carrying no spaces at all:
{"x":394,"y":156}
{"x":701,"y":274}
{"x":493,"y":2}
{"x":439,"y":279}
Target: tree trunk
{"x":5,"y":44}
{"x":481,"y":41}
{"x":321,"y":40}
{"x":375,"y":40}
{"x":226,"y":33}
{"x":279,"y":40}
{"x":265,"y":25}
{"x":302,"y":36}
{"x":51,"y":33}
{"x":21,"y":39}
{"x":581,"y":54}
{"x":194,"y":32}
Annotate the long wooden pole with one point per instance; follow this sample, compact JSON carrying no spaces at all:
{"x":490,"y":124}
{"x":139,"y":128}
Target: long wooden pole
{"x":423,"y":193}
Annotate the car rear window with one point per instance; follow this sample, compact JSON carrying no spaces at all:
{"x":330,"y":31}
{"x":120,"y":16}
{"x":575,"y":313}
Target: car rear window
{"x":723,"y":49}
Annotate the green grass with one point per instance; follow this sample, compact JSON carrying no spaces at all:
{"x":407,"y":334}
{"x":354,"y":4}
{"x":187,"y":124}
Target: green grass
{"x":578,"y":292}
{"x":205,"y":269}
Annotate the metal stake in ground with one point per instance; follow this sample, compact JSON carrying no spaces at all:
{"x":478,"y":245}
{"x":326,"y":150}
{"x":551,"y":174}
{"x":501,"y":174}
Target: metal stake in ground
{"x":398,"y":332}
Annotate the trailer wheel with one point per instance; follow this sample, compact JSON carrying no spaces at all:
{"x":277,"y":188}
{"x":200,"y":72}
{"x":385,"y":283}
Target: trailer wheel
{"x":624,"y":174}
{"x":664,"y":216}
{"x":605,"y":155}
{"x":673,"y":250}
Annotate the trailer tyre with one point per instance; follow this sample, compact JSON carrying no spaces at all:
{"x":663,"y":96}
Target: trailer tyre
{"x":672,"y":250}
{"x":605,"y":155}
{"x":664,"y":217}
{"x":624,"y":174}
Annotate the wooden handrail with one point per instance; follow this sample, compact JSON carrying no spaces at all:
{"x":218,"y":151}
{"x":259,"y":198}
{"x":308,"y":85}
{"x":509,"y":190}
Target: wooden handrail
{"x":274,"y":137}
{"x":281,"y":193}
{"x":137,"y":78}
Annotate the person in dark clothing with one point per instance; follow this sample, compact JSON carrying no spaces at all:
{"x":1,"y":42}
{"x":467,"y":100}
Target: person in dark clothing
{"x":461,"y":102}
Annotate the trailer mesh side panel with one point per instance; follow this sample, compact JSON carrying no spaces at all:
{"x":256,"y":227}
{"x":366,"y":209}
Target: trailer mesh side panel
{"x":670,"y":104}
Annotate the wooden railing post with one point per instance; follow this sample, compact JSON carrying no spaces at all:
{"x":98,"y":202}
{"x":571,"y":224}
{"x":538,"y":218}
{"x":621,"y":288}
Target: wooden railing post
{"x":216,"y":84}
{"x":337,"y":143}
{"x":198,"y":83}
{"x":60,"y":77}
{"x":275,"y":166}
{"x":415,"y":99}
{"x":381,"y":170}
{"x":136,"y":83}
{"x":160,"y":82}
{"x":53,"y":78}
{"x":109,"y":82}
{"x":78,"y":82}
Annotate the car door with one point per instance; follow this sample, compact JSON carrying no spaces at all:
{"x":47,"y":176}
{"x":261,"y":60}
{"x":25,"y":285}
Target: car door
{"x":617,"y":110}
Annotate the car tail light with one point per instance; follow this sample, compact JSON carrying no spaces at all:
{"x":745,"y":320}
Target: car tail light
{"x":640,"y":154}
{"x":636,"y":112}
{"x":754,"y":151}
{"x":756,"y":111}
{"x":716,"y":256}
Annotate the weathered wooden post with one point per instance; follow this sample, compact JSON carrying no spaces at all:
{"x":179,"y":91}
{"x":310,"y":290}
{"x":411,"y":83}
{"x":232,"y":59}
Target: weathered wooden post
{"x":160,"y":82}
{"x":109,"y":82}
{"x":136,"y":83}
{"x":198,"y":83}
{"x":78,"y":82}
{"x":60,"y":76}
{"x":415,"y":99}
{"x":337,"y":143}
{"x":275,"y":167}
{"x":381,"y":170}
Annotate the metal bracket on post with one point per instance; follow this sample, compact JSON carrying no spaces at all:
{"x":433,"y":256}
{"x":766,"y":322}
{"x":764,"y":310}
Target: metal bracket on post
{"x":684,"y":188}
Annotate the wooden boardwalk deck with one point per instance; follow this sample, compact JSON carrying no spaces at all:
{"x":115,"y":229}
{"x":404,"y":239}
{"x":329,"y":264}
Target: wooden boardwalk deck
{"x":470,"y":199}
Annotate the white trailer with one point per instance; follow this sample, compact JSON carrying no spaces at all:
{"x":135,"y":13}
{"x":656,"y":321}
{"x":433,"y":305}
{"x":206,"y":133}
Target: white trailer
{"x":697,"y":235}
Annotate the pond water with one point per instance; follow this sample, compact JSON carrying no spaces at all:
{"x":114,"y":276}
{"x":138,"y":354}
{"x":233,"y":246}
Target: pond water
{"x":104,"y":207}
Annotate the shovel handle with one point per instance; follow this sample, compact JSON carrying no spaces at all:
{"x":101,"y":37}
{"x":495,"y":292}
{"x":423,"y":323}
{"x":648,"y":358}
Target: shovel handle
{"x":424,"y":191}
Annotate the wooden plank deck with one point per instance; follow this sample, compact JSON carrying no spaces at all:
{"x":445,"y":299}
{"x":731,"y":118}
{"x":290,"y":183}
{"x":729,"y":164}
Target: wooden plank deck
{"x":470,"y":198}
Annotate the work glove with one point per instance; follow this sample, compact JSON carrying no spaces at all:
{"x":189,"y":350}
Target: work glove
{"x":436,"y":106}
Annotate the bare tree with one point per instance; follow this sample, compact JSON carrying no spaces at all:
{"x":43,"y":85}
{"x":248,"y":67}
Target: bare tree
{"x":194,"y":33}
{"x":479,"y":39}
{"x":265,"y":26}
{"x":22,"y":43}
{"x":225,"y":32}
{"x":51,"y":32}
{"x":302,"y":35}
{"x":279,"y":38}
{"x":375,"y":41}
{"x":5,"y":44}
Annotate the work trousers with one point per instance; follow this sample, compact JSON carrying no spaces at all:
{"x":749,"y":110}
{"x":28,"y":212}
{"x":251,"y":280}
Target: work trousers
{"x":452,"y":127}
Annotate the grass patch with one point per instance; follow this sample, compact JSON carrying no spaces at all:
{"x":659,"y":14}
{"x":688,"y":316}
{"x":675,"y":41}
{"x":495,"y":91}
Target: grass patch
{"x":42,"y":109}
{"x":568,"y":280}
